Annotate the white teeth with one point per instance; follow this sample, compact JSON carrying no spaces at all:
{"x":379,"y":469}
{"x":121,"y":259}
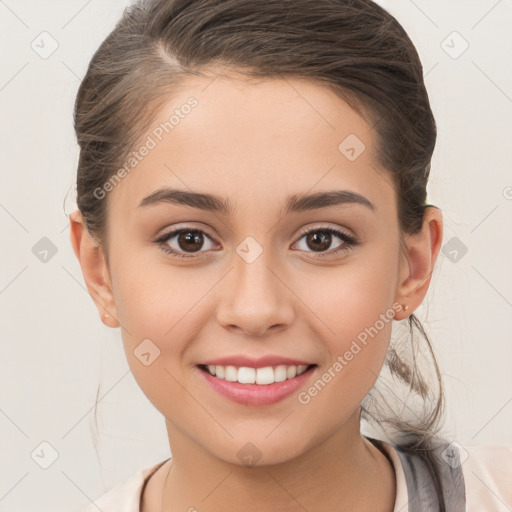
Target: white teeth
{"x":265,"y":375}
{"x":247,"y":375}
{"x":280,"y":373}
{"x":231,"y":373}
{"x":219,"y":371}
{"x":262,"y":376}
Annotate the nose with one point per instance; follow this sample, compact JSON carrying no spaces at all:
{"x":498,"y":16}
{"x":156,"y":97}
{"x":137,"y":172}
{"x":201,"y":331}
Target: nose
{"x":254,"y":298}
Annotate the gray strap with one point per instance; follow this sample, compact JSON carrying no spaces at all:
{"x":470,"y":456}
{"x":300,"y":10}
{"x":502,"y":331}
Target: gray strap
{"x":420,"y":483}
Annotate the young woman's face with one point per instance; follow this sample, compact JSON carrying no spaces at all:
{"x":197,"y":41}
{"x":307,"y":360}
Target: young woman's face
{"x":251,"y":283}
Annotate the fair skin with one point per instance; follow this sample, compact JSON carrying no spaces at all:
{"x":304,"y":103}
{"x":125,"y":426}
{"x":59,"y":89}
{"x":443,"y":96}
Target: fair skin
{"x":256,"y":144}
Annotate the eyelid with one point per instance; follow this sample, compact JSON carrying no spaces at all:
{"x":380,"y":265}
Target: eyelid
{"x":349,"y":241}
{"x":163,"y":239}
{"x":182,"y":226}
{"x":325,"y":227}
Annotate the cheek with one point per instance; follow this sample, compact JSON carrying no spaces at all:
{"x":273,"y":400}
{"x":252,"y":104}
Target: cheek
{"x":155,"y":306}
{"x":357,"y":350}
{"x":156,"y":301}
{"x":355,"y":307}
{"x":162,"y":309}
{"x":353,"y":297}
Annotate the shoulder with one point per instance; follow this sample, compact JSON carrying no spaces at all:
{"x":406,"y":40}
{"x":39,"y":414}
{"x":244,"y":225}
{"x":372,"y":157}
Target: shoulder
{"x":487,"y":471}
{"x":470,"y":478}
{"x":125,"y":496}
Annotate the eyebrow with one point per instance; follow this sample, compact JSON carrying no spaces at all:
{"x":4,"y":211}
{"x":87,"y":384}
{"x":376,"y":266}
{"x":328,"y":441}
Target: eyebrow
{"x":295,"y":203}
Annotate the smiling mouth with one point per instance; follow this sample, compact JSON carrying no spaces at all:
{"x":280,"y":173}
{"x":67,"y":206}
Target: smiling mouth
{"x":262,"y":376}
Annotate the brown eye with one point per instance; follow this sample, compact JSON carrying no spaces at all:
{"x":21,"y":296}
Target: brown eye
{"x":319,"y":242}
{"x":190,"y":240}
{"x":182,"y":241}
{"x":320,"y":239}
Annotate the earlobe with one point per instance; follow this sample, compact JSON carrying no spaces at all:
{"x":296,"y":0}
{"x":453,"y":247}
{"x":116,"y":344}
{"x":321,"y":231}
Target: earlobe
{"x":94,"y":269}
{"x":421,"y":250}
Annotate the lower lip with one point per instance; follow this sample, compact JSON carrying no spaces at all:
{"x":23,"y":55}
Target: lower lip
{"x":256,"y":394}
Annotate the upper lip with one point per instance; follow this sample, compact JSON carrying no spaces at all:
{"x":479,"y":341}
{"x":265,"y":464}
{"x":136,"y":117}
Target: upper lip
{"x":261,"y":362}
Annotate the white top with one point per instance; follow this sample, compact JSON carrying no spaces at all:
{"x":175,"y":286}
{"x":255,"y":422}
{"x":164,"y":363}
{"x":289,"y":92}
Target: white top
{"x":487,"y":471}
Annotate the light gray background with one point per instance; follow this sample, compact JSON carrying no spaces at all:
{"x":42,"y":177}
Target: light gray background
{"x":55,"y":350}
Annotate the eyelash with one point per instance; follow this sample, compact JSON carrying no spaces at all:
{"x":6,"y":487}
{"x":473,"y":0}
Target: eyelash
{"x":349,"y":242}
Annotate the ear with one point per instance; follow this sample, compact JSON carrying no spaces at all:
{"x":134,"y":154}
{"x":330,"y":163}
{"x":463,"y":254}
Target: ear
{"x":94,"y":269}
{"x":418,"y":262}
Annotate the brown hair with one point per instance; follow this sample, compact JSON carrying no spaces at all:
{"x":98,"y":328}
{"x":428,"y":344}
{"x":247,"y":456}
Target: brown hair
{"x":353,"y":47}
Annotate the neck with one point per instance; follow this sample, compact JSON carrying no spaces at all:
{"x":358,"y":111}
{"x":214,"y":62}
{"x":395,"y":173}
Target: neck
{"x":343,"y":472}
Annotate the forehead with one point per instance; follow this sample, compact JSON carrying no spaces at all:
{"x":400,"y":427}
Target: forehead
{"x":264,"y":139}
